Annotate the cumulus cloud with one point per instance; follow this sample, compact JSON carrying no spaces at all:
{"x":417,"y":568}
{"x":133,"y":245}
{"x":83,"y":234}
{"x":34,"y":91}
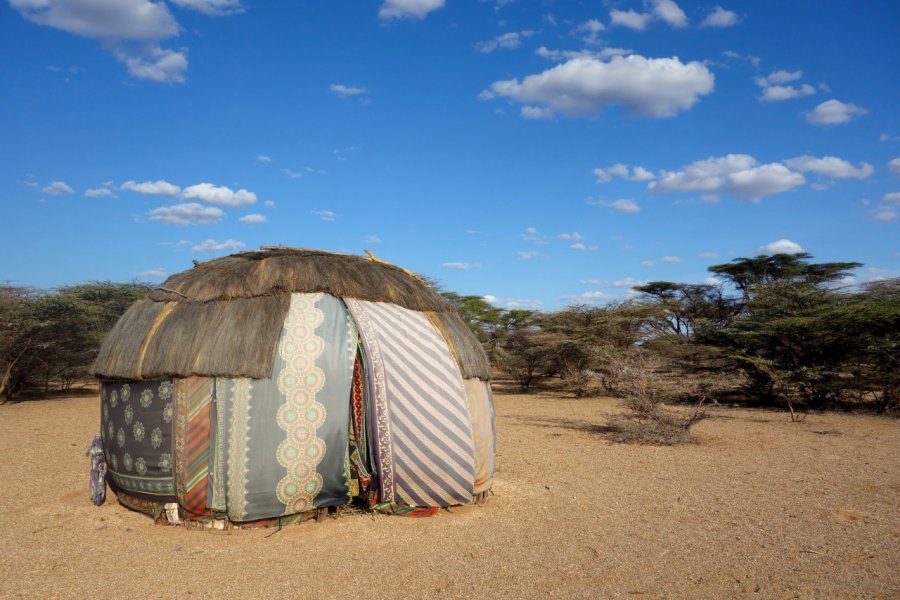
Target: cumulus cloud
{"x":156,"y":64}
{"x":622,"y":205}
{"x":780,"y":247}
{"x":220,"y":195}
{"x":830,"y":166}
{"x":536,"y":112}
{"x":653,"y":87}
{"x":719,"y":17}
{"x":834,"y":112}
{"x":98,"y":193}
{"x":57,"y":188}
{"x":262,"y":159}
{"x":629,"y":18}
{"x":160,"y":187}
{"x":564,"y":55}
{"x":189,"y":213}
{"x":253,"y":219}
{"x":738,"y":174}
{"x":291,"y":174}
{"x":347,"y":90}
{"x":777,"y":93}
{"x":775,"y":88}
{"x":894,"y":166}
{"x":408,"y":9}
{"x":574,"y":236}
{"x":893,"y":197}
{"x":506,"y":41}
{"x":461,"y":266}
{"x":591,"y":30}
{"x":528,"y":254}
{"x":637,"y":173}
{"x":131,"y":29}
{"x":581,"y":247}
{"x":210,"y":246}
{"x":153,"y":273}
{"x":212,"y":8}
{"x":662,"y":10}
{"x":884,"y":214}
{"x":708,"y":255}
{"x":324,"y":215}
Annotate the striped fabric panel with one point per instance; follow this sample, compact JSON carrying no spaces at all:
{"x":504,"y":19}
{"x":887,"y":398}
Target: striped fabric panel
{"x":193,"y":397}
{"x":431,"y":433}
{"x":481,"y":408}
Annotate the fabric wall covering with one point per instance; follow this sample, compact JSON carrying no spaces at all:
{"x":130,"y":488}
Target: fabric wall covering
{"x":364,"y":399}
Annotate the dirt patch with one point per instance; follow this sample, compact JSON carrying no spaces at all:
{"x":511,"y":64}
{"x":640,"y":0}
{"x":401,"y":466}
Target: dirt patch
{"x":759,"y":506}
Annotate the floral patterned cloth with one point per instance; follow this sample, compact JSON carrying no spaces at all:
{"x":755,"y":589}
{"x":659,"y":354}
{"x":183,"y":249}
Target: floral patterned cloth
{"x":137,"y":436}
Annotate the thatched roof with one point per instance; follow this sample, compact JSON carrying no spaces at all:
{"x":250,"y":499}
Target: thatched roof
{"x":223,"y":317}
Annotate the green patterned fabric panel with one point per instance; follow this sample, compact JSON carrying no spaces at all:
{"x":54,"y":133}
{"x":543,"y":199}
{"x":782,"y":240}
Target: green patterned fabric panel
{"x":285,"y":438}
{"x":137,"y":435}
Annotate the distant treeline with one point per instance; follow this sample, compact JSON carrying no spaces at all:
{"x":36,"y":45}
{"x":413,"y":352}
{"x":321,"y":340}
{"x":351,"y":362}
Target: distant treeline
{"x":778,"y":328}
{"x":49,"y":338}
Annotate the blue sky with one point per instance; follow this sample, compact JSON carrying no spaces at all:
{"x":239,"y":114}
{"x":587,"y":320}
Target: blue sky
{"x":539,"y":153}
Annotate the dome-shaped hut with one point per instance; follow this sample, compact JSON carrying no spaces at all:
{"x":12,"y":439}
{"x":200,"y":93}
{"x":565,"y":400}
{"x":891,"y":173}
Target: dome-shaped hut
{"x":268,"y":384}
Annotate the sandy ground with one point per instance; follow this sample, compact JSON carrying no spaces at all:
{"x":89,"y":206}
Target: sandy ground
{"x":760,"y":507}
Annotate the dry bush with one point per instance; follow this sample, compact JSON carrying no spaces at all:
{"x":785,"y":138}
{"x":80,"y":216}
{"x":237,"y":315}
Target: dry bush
{"x":645,"y":390}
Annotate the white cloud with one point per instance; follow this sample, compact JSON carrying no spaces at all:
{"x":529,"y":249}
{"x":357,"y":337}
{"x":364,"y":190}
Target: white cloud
{"x":506,"y":41}
{"x":159,"y":187}
{"x":574,"y":236}
{"x":536,"y":112}
{"x":290,"y":174}
{"x":622,"y":205}
{"x":780,"y":247}
{"x":762,"y":181}
{"x":630,"y":19}
{"x":262,"y":159}
{"x":372,"y":239}
{"x":671,"y":259}
{"x":98,"y":193}
{"x":720,"y":17}
{"x":779,"y":77}
{"x":57,"y":187}
{"x":564,"y":55}
{"x":211,"y":8}
{"x":834,"y":112}
{"x":670,"y":13}
{"x":637,"y":173}
{"x":153,"y":273}
{"x":830,"y":166}
{"x":253,"y":219}
{"x":411,"y":9}
{"x":531,"y":235}
{"x":461,"y":266}
{"x":325,"y":215}
{"x":528,"y":254}
{"x":891,"y":197}
{"x":776,"y":93}
{"x":591,"y":29}
{"x":583,"y":247}
{"x":178,"y":244}
{"x":489,"y":298}
{"x":739,"y":174}
{"x":269,"y":203}
{"x":156,"y":64}
{"x":189,"y":213}
{"x":753,"y":60}
{"x":708,"y":255}
{"x":138,"y":20}
{"x":663,"y":10}
{"x":894,"y":166}
{"x":346,"y":90}
{"x":884,"y":214}
{"x":220,"y":195}
{"x":654,"y":87}
{"x":210,"y":246}
{"x":589,"y":281}
{"x":586,"y":297}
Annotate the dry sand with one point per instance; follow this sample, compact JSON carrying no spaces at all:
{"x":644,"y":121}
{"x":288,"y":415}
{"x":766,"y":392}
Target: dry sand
{"x":760,"y":507}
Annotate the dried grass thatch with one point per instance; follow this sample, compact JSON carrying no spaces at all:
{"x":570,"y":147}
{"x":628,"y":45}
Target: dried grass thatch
{"x":223,"y":317}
